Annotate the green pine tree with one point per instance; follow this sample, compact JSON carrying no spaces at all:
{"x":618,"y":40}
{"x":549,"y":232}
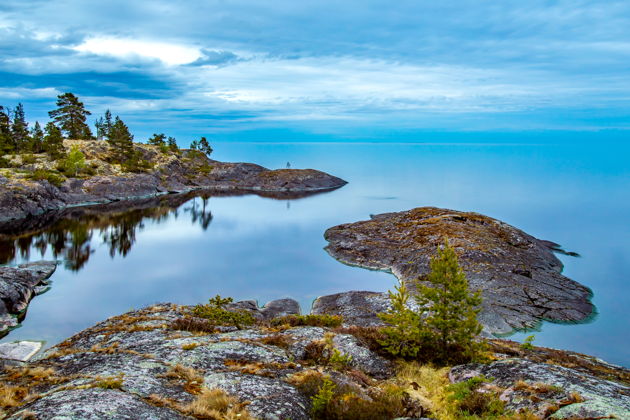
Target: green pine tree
{"x":172,"y":144}
{"x":6,"y":139}
{"x":70,"y":116}
{"x":37,"y":138}
{"x":444,"y":327}
{"x":204,"y":146}
{"x":157,"y":140}
{"x":19,"y":130}
{"x":452,"y":308}
{"x":121,"y":141}
{"x":53,"y":141}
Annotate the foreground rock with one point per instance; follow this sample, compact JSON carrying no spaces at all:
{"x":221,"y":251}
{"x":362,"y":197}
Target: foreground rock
{"x":518,"y":275}
{"x":142,"y":348}
{"x":170,"y":172}
{"x":146,"y":365}
{"x":18,"y":285}
{"x":550,"y":390}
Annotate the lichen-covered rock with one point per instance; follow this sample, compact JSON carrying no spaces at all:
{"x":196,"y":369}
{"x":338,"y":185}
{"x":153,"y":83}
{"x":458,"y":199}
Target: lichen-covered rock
{"x":517,"y":274}
{"x":356,"y":307}
{"x":142,"y":361}
{"x":18,"y":285}
{"x":539,"y":387}
{"x":272,"y":309}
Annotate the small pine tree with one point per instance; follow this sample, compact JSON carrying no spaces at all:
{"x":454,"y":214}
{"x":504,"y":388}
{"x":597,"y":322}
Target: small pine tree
{"x":204,"y":146}
{"x":107,"y":124}
{"x":444,"y":327}
{"x":157,"y":140}
{"x":70,"y":116}
{"x":452,"y":308}
{"x":172,"y":144}
{"x":74,"y":162}
{"x":194,"y":145}
{"x":37,"y":138}
{"x":53,"y":141}
{"x":121,"y":141}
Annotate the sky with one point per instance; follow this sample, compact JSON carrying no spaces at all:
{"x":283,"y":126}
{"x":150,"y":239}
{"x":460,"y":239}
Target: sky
{"x":320,"y":70}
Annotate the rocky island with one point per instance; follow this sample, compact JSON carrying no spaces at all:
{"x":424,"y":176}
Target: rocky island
{"x":518,"y":275}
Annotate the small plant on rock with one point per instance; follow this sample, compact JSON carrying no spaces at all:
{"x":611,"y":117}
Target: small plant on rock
{"x":216,"y":312}
{"x":323,"y":397}
{"x":527,"y":343}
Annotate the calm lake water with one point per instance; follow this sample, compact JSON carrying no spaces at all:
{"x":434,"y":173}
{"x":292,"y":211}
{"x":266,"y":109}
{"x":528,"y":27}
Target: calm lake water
{"x":250,"y":247}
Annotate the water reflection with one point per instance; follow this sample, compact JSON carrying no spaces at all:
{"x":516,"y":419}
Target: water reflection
{"x":69,"y":234}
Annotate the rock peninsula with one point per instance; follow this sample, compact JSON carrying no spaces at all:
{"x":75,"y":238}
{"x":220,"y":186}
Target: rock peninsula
{"x":518,"y":275}
{"x":32,"y":186}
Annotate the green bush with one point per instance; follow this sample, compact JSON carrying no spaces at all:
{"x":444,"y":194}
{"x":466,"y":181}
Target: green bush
{"x":323,"y":398}
{"x":53,"y":178}
{"x":474,"y":404}
{"x":329,"y":321}
{"x":28,"y":159}
{"x":215,"y":311}
{"x":4,"y":163}
{"x":527,"y":343}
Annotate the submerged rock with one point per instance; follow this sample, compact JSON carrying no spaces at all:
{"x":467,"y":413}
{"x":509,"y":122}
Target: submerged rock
{"x":518,"y":275}
{"x":18,"y":285}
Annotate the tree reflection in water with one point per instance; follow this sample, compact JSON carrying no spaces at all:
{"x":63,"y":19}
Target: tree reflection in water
{"x":69,"y":234}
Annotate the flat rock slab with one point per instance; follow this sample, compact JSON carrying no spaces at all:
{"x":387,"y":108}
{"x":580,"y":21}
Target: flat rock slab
{"x":21,"y":351}
{"x":518,"y":275}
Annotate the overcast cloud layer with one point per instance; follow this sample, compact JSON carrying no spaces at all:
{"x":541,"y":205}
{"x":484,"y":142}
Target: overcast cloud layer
{"x":293,"y":69}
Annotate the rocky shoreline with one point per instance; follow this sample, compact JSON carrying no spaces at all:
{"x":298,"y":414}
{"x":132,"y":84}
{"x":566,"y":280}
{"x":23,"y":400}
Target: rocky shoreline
{"x":518,"y":275}
{"x":145,"y":364}
{"x":22,"y":197}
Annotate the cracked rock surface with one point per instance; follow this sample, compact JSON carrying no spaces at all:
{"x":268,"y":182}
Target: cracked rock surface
{"x":18,"y":285}
{"x":518,"y":275}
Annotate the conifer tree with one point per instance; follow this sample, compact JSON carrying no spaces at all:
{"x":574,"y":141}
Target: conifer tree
{"x":53,"y":141}
{"x":445,"y":324}
{"x":70,"y":116}
{"x":107,"y":124}
{"x":172,"y":144}
{"x":204,"y":146}
{"x":19,"y":130}
{"x":6,"y":139}
{"x":157,"y":139}
{"x":121,"y":140}
{"x":37,"y":138}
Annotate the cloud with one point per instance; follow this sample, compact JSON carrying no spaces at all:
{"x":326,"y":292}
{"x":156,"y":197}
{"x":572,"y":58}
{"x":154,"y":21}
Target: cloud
{"x":168,"y":53}
{"x":460,"y":65}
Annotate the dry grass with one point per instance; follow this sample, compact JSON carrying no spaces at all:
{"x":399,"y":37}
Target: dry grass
{"x":109,"y":382}
{"x":278,"y":340}
{"x":194,"y":325}
{"x":192,"y":379}
{"x":428,"y":385}
{"x":308,"y":382}
{"x":190,"y":346}
{"x":258,"y":368}
{"x":537,"y":388}
{"x":216,"y":404}
{"x":12,"y":396}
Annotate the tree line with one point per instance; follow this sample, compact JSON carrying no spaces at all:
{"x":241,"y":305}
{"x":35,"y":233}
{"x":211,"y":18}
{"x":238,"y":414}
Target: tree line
{"x":69,"y":119}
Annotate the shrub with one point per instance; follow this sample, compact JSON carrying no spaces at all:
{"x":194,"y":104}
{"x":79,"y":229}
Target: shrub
{"x":322,"y":399}
{"x":53,"y":178}
{"x":74,"y":162}
{"x":339,"y":360}
{"x":4,"y":163}
{"x":194,"y":325}
{"x":215,"y":311}
{"x":445,"y":325}
{"x":329,"y":321}
{"x":28,"y":159}
{"x":470,"y":401}
{"x":527,"y":343}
